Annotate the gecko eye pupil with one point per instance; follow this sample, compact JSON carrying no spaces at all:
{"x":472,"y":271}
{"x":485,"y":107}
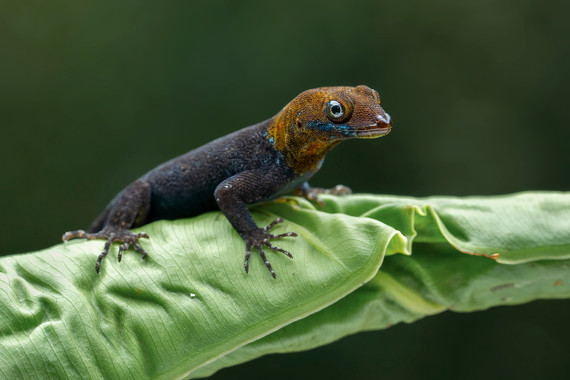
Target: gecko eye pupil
{"x":334,"y":110}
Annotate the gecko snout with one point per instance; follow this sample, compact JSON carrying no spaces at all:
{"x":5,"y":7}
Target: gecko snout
{"x":384,"y":119}
{"x":382,"y":127}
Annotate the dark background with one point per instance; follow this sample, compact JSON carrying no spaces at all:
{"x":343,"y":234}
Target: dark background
{"x":94,"y":94}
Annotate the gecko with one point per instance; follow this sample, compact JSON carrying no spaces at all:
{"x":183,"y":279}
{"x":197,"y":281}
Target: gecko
{"x":254,"y":164}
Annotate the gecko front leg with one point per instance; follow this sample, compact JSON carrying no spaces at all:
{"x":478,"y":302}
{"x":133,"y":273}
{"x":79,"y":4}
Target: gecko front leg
{"x":233,"y":194}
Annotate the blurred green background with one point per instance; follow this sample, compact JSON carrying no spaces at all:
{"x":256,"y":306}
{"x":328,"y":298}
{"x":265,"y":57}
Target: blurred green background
{"x":92,"y":95}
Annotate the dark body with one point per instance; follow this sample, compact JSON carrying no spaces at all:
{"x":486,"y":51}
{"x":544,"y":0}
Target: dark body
{"x":185,"y":186}
{"x":253,"y":164}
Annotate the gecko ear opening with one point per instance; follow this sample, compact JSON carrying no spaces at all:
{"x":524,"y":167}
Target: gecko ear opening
{"x":299,"y":124}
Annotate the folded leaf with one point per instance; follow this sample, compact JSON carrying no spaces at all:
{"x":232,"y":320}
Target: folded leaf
{"x":437,"y":277}
{"x":189,"y":309}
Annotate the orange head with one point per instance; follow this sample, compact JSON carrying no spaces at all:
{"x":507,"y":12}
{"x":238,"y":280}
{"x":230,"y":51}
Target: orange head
{"x":318,"y":119}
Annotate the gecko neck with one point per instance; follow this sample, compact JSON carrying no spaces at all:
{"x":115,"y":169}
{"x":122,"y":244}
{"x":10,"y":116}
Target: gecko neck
{"x":303,"y":152}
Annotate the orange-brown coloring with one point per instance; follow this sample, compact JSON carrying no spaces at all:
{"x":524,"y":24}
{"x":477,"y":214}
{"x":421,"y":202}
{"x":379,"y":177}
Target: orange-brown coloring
{"x":318,"y":119}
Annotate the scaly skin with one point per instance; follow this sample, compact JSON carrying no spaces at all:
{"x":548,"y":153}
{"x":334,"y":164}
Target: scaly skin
{"x":256,"y":163}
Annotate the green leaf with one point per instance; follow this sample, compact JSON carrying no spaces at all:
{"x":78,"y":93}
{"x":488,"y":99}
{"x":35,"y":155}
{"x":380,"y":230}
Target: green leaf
{"x":188,"y":303}
{"x":437,"y":277}
{"x":189,"y":309}
{"x":519,"y":228}
{"x":433,"y":280}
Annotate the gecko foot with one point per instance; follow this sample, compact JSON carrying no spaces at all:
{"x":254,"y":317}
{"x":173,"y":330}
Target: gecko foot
{"x":112,"y":235}
{"x":312,"y":193}
{"x":259,"y":238}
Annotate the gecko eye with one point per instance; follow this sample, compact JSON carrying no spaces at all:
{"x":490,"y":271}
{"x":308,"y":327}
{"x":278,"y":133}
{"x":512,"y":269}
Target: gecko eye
{"x":334,"y":110}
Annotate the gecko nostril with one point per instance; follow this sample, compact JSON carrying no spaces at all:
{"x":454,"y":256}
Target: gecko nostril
{"x":385,"y":119}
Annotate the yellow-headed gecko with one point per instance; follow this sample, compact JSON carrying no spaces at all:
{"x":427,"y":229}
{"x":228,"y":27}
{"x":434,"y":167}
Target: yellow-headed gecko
{"x":257,"y":163}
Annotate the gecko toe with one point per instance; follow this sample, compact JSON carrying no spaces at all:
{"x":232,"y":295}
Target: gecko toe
{"x":267,"y":263}
{"x":247,"y":256}
{"x":274,"y":248}
{"x":286,"y":234}
{"x":272,"y":224}
{"x":123,"y":247}
{"x":340,"y":190}
{"x":73,"y":234}
{"x":139,"y":249}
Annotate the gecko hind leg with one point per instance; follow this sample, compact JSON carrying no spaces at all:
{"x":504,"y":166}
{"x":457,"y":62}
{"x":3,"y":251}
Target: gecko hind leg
{"x":111,"y":235}
{"x":129,"y":209}
{"x":312,"y":193}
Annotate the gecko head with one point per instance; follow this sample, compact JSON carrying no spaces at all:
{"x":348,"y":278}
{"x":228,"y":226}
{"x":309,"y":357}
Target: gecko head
{"x":338,"y":113}
{"x":318,"y":119}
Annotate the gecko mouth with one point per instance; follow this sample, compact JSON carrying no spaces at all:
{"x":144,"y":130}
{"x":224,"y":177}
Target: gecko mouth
{"x":381,"y":128}
{"x":374,"y":132}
